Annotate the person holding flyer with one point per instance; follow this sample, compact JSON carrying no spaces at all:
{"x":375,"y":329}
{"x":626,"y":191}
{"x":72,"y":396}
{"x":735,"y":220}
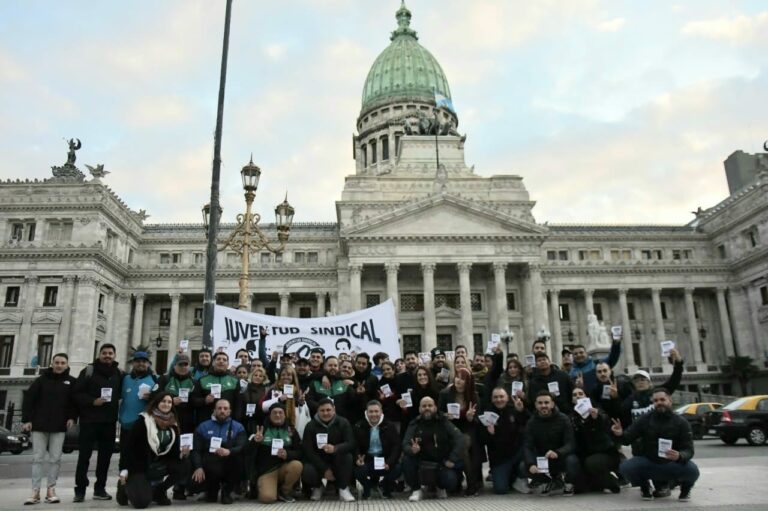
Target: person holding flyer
{"x":329,"y":444}
{"x":277,"y":458}
{"x":584,"y":366}
{"x":97,"y":396}
{"x":286,"y":391}
{"x":513,"y":380}
{"x":594,"y":446}
{"x":666,"y":441}
{"x":217,"y":384}
{"x":378,"y":451}
{"x":547,"y":378}
{"x":216,"y":457}
{"x":179,"y":383}
{"x":460,"y":403}
{"x":387,"y":394}
{"x":549,"y":448}
{"x":155,"y":460}
{"x":503,"y":438}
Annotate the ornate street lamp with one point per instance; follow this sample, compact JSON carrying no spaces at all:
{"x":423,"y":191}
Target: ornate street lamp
{"x":507,"y":336}
{"x":159,"y":341}
{"x":570,"y":336}
{"x":247,"y":238}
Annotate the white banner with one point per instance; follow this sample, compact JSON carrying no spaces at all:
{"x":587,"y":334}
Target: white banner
{"x":370,"y":330}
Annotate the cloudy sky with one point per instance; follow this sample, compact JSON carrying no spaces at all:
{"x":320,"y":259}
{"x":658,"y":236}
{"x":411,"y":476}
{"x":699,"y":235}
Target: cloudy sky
{"x":613,"y":111}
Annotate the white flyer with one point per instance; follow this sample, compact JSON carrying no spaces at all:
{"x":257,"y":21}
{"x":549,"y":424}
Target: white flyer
{"x":106,"y":394}
{"x":144,"y":390}
{"x":243,"y":385}
{"x":250,"y":409}
{"x":666,"y":347}
{"x":184,"y":345}
{"x":216,"y":390}
{"x":542,"y":463}
{"x":606,"y":392}
{"x":288,"y":390}
{"x":665,"y":444}
{"x":379,"y":463}
{"x":186,"y":440}
{"x":530,"y":360}
{"x":386,"y":390}
{"x":517,"y":386}
{"x":407,"y":398}
{"x":184,"y":395}
{"x":554,"y":388}
{"x":491,"y":418}
{"x":616,"y":332}
{"x":277,"y":444}
{"x":493,"y":342}
{"x":445,"y":374}
{"x":322,"y":440}
{"x":215,"y":444}
{"x":583,"y":406}
{"x":425,"y":357}
{"x":454,"y":410}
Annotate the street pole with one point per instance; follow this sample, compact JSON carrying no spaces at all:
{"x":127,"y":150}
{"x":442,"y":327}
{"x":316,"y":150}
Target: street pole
{"x":246,"y":255}
{"x":209,"y":299}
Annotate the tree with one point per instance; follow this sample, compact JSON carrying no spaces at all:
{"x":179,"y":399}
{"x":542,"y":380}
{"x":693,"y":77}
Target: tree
{"x":741,"y":369}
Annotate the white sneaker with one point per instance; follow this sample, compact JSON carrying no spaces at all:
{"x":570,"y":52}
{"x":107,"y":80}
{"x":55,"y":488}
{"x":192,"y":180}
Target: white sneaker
{"x":441,"y":493}
{"x":317,"y":494}
{"x":415,"y":496}
{"x":346,"y":495}
{"x":521,"y":486}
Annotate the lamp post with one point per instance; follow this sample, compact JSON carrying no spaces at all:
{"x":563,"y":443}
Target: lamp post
{"x":507,"y":336}
{"x":247,"y":238}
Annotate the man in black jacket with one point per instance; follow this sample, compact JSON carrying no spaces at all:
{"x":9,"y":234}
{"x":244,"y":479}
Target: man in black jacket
{"x":549,"y":447}
{"x":328,"y":447}
{"x":547,"y":378}
{"x":667,"y":448}
{"x":48,"y":412}
{"x":378,"y":451}
{"x":97,"y":396}
{"x":432,"y":447}
{"x":504,"y":438}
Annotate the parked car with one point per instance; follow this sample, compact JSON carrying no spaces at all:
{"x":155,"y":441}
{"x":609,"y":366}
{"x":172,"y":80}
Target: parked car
{"x":15,"y":443}
{"x":694,"y":414}
{"x":746,"y":417}
{"x":71,"y":441}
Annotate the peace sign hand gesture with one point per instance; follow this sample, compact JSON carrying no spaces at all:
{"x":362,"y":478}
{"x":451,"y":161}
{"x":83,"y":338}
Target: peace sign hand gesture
{"x":616,"y":427}
{"x":415,"y":447}
{"x":259,"y":436}
{"x":471,"y":412}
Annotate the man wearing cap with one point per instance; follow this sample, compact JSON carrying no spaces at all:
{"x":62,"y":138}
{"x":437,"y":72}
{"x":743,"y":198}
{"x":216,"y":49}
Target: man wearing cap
{"x":180,"y":384}
{"x":304,"y":373}
{"x":217,"y":384}
{"x":137,"y":389}
{"x":437,"y":365}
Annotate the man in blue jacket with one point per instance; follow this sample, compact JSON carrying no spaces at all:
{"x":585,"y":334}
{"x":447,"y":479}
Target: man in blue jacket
{"x":584,"y":366}
{"x":218,"y":445}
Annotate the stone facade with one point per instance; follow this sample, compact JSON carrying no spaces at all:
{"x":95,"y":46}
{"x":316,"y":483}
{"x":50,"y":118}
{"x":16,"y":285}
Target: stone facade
{"x":461,"y":255}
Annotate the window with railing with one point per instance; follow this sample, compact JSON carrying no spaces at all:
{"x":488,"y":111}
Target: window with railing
{"x":371,"y":300}
{"x":412,"y":343}
{"x":411,"y":302}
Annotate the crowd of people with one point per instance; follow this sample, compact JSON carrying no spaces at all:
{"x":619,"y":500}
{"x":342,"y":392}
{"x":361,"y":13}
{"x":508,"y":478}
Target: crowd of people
{"x":282,"y":427}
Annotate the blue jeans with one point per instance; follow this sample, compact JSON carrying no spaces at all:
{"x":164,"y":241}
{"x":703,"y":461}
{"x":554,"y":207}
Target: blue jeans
{"x":639,"y":470}
{"x":502,"y":474}
{"x":416,"y":476}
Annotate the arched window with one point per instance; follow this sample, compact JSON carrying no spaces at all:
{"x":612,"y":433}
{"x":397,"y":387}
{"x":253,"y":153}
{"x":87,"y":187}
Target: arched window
{"x":384,"y":148}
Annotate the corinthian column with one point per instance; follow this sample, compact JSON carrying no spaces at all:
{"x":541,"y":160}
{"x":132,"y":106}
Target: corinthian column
{"x":173,"y":330}
{"x":138,"y":319}
{"x":430,"y":322}
{"x":355,"y":289}
{"x":25,"y":343}
{"x":692,"y":326}
{"x":557,"y":333}
{"x":392,"y":294}
{"x":284,"y":297}
{"x":725,"y":322}
{"x":656,"y":298}
{"x":466,"y":303}
{"x":500,"y":286}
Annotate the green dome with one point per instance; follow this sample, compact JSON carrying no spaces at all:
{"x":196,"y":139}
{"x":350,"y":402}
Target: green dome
{"x":405,"y":69}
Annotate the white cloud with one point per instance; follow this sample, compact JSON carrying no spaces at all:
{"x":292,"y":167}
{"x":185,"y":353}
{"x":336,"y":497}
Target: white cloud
{"x":613,"y":25}
{"x":157,"y":111}
{"x":275,"y":51}
{"x":737,"y":29}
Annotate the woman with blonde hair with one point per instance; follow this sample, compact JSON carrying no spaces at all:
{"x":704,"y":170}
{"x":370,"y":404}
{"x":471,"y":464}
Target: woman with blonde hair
{"x":286,"y":391}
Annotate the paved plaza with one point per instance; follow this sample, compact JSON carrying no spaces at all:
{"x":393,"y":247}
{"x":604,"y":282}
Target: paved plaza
{"x":736,"y":482}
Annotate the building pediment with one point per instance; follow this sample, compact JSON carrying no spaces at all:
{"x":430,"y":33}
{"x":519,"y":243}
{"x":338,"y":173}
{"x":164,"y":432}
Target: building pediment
{"x":10,"y":318}
{"x":46,"y":317}
{"x":444,"y":215}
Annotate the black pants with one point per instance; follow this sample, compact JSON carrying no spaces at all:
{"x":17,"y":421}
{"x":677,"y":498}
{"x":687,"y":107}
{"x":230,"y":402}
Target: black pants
{"x":340,"y":464}
{"x":124,"y":447}
{"x":141,"y":491}
{"x":596,"y":471}
{"x":102,"y":435}
{"x":221,"y":473}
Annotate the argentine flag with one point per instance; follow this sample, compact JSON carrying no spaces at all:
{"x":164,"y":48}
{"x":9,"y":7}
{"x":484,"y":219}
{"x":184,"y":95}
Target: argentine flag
{"x":442,"y":101}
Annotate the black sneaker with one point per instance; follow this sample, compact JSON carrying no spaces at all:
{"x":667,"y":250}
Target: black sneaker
{"x":662,"y":492}
{"x":161,"y":499}
{"x":685,"y":492}
{"x":179,"y":495}
{"x":226,"y":497}
{"x":285,"y":498}
{"x":101,"y":495}
{"x":79,"y":497}
{"x":645,"y":492}
{"x":120,"y":496}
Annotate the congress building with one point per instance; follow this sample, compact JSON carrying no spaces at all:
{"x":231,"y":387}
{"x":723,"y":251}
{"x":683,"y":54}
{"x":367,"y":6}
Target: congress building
{"x":461,"y":255}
